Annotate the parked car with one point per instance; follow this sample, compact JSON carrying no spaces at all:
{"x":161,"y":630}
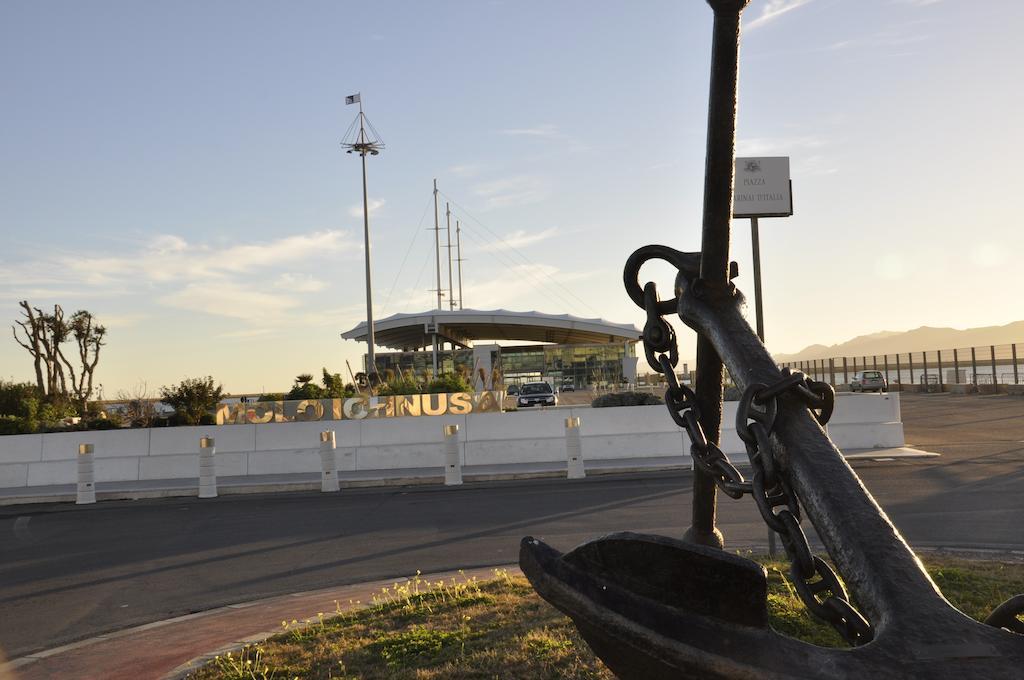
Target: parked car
{"x":868,"y":381}
{"x":512,"y":390}
{"x":568,"y":387}
{"x":536,"y":393}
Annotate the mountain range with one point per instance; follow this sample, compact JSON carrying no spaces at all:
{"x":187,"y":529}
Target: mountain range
{"x":925,"y":338}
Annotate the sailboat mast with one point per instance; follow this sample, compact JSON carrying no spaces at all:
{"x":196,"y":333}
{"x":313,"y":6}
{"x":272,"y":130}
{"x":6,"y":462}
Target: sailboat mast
{"x":437,"y":247}
{"x":448,"y":229}
{"x":458,"y":251}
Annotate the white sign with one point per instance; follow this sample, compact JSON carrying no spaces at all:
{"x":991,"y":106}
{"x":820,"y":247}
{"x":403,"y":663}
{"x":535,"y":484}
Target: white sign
{"x":762,"y":188}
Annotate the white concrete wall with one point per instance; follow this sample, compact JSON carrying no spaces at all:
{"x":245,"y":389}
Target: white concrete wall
{"x":860,"y":421}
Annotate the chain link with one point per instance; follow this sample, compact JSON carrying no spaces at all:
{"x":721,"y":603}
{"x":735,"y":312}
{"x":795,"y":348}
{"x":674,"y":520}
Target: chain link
{"x":826,"y":597}
{"x":663,"y":356}
{"x":756,"y":414}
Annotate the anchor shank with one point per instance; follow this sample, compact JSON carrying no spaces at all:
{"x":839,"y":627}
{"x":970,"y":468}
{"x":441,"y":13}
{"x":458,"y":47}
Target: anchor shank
{"x":884,"y":574}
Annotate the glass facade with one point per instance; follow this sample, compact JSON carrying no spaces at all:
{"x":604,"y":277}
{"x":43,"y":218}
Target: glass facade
{"x":421,"y":363}
{"x":582,"y":366}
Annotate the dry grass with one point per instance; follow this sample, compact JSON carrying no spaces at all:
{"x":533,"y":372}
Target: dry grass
{"x":500,"y":628}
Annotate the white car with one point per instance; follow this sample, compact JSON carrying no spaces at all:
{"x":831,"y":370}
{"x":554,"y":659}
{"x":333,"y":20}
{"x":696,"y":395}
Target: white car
{"x":868,"y":381}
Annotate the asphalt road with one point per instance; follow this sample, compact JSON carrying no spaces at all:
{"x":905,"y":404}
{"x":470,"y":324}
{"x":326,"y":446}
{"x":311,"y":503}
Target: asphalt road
{"x":70,"y":572}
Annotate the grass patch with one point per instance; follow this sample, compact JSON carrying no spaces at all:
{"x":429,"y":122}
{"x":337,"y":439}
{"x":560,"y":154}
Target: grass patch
{"x":464,"y":628}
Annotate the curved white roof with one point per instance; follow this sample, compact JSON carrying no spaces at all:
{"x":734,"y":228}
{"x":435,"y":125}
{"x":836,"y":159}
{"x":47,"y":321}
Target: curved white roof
{"x":464,"y":326}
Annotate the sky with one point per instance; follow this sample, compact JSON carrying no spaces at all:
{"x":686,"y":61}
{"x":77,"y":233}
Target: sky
{"x":176,"y":168}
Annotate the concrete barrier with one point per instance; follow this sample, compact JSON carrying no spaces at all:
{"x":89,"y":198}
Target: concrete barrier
{"x":860,"y":421}
{"x":573,"y":450}
{"x":207,"y":470}
{"x":452,"y":459}
{"x":328,"y":462}
{"x":86,"y":478}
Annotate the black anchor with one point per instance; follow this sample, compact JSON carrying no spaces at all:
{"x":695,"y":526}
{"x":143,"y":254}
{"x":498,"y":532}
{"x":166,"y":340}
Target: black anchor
{"x":657,"y":607}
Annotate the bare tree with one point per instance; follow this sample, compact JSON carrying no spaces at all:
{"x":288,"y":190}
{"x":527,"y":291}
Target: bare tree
{"x":33,"y":342}
{"x":139,"y":406}
{"x":43,"y":334}
{"x":88,"y":337}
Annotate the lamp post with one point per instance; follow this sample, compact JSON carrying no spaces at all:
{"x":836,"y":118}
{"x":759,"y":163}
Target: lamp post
{"x":363,"y":143}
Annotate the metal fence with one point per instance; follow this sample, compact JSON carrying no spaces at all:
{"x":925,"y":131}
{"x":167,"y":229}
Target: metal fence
{"x":985,"y":365}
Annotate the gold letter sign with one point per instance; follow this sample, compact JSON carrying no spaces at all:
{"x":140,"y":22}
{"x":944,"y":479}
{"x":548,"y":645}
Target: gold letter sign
{"x":357,"y":408}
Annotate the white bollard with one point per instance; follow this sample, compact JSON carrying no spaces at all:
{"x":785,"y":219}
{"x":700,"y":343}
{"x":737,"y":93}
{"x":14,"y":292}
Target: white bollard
{"x":452,"y":462}
{"x":574,"y":449}
{"x":86,"y":476}
{"x":328,"y":464}
{"x":207,"y":468}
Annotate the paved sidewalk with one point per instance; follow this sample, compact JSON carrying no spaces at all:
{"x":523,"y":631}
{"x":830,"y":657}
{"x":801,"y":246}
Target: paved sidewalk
{"x":161,"y":488}
{"x":172,"y":648}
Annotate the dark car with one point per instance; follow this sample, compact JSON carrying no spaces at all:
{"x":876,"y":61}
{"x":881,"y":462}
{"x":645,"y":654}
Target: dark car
{"x":536,"y":394}
{"x":512,"y":390}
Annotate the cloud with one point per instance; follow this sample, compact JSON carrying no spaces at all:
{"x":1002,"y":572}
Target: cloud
{"x":519,"y":239}
{"x":373,"y":204}
{"x":230,"y":299}
{"x":465,"y":170}
{"x":511,"y":191}
{"x":169,"y":258}
{"x":550,"y":132}
{"x":767,"y":146}
{"x":891,"y":267}
{"x":246,"y":333}
{"x":545,"y":130}
{"x":209,"y":278}
{"x":987,"y":255}
{"x":521,"y":282}
{"x":124,"y":320}
{"x":299,"y":283}
{"x":920,"y":3}
{"x":772,"y":10}
{"x":841,"y":45}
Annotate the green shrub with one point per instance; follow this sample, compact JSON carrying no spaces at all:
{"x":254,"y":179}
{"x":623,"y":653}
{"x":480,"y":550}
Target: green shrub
{"x":273,"y":396}
{"x":16,"y":425}
{"x":56,"y":411}
{"x":335,"y":387}
{"x":193,"y":398}
{"x":305,"y":391}
{"x":19,"y":399}
{"x":404,"y":385}
{"x":100,"y":424}
{"x":448,"y":383}
{"x":626,"y":399}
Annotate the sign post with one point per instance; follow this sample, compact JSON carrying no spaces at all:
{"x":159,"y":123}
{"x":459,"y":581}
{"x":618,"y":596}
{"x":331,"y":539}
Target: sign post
{"x":763,"y":189}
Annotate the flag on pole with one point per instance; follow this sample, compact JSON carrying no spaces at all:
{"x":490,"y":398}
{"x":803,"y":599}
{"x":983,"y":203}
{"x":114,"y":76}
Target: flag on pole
{"x":352,"y":99}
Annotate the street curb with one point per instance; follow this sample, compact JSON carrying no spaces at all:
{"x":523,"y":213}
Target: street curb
{"x":192,"y":664}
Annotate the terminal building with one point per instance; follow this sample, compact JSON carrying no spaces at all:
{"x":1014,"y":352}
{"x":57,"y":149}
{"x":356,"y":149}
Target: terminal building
{"x":563,"y":349}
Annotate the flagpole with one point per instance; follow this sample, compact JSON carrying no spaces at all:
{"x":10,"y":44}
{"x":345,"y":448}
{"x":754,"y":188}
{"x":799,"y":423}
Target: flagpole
{"x":363,"y":146}
{"x":371,"y":363}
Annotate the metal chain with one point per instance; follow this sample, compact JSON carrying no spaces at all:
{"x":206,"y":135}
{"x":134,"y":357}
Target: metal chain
{"x":825,"y":597}
{"x":663,"y":356}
